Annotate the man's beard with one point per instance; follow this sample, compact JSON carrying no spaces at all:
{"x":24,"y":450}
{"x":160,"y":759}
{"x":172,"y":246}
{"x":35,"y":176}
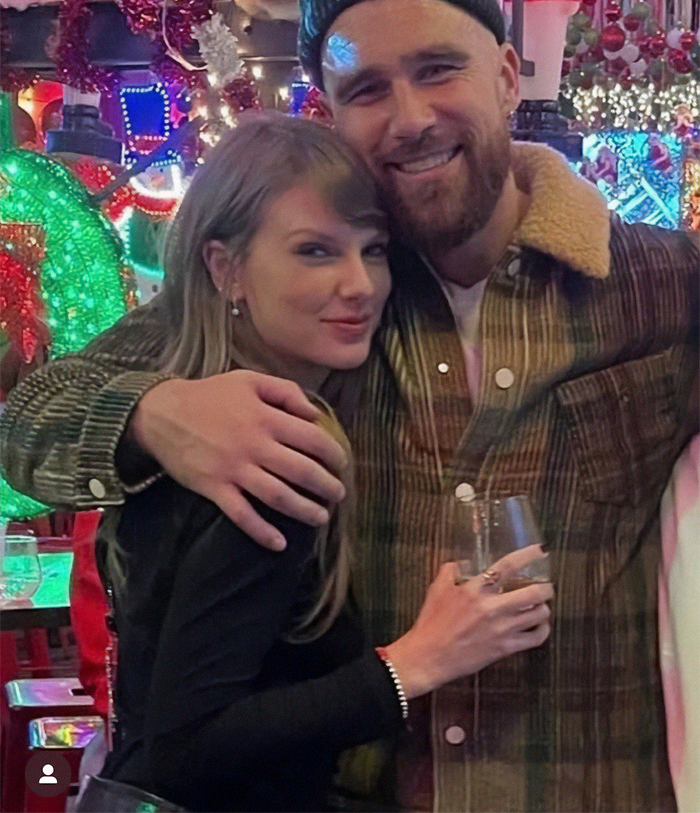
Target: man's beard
{"x":443,"y":215}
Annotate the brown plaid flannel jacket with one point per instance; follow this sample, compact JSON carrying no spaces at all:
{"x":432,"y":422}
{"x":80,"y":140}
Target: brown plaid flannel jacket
{"x":597,"y":321}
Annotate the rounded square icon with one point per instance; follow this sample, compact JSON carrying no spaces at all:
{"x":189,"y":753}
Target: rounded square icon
{"x":47,"y":773}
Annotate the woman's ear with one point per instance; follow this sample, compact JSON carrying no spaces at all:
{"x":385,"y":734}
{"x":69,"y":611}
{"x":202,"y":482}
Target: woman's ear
{"x":221,"y":266}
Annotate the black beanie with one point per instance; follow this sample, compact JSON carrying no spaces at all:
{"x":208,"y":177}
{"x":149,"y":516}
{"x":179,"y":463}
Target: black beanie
{"x":317,"y":16}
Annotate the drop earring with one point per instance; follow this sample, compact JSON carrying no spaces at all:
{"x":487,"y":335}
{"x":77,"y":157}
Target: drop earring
{"x":235,"y":310}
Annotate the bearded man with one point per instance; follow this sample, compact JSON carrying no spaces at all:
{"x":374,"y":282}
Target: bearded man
{"x":534,"y":344}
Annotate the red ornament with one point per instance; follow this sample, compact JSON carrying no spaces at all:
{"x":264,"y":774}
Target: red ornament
{"x":657,"y":45}
{"x":618,"y":65}
{"x":679,"y":60}
{"x":686,"y":40}
{"x":643,"y":43}
{"x":613,"y":12}
{"x":612,"y":38}
{"x":631,"y":23}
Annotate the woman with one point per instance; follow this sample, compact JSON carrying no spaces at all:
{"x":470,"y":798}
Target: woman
{"x":242,"y":672}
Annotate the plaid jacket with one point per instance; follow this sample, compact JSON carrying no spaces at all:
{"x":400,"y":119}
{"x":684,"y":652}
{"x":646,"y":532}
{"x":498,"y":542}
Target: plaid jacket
{"x":597,"y":321}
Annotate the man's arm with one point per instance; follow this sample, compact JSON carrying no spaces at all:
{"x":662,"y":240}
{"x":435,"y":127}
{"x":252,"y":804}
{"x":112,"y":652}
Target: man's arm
{"x":81,"y":430}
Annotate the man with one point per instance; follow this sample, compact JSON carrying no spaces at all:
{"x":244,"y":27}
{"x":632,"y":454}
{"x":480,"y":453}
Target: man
{"x":532,"y":346}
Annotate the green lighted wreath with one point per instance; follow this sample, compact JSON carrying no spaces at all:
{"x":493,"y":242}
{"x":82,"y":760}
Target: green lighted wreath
{"x":84,"y":278}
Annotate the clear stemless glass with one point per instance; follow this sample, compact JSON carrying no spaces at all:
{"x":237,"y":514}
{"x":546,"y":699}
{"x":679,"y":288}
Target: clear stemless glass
{"x":20,"y":569}
{"x":487,"y":530}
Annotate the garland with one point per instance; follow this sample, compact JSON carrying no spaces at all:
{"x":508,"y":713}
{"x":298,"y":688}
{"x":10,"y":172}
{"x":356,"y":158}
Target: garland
{"x":73,"y":67}
{"x":170,"y":28}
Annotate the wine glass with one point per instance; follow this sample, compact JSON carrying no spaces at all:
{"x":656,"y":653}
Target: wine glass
{"x":485,"y":530}
{"x":20,"y":569}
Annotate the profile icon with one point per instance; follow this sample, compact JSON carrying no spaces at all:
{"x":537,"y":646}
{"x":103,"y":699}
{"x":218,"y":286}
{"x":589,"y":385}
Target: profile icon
{"x":47,"y":773}
{"x":48,"y":778}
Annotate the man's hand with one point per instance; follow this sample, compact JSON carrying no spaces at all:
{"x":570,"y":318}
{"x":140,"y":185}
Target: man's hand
{"x":243,"y":432}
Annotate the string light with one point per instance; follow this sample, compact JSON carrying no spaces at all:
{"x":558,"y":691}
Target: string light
{"x":146,"y":112}
{"x":646,"y":107}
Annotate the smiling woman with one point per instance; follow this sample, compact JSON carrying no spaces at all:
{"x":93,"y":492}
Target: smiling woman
{"x":279,"y":262}
{"x":312,"y":284}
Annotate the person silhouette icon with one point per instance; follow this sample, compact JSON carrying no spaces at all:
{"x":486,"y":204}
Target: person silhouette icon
{"x":48,"y":778}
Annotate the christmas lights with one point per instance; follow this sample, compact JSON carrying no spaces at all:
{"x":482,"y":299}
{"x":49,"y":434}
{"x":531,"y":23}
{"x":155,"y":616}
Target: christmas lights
{"x":612,"y":105}
{"x":146,"y":112}
{"x":83,"y":281}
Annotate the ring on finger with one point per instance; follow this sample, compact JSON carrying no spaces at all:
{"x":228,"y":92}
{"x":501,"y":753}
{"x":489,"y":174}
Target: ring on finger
{"x":490,"y":576}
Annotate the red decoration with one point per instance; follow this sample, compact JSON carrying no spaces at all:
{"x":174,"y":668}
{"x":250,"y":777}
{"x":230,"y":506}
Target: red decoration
{"x":657,"y":45}
{"x":315,"y":107}
{"x":613,"y":12}
{"x":679,"y":60}
{"x":686,"y":40}
{"x":96,"y":176}
{"x":73,"y":67}
{"x":21,"y":307}
{"x":242,"y":94}
{"x":142,"y":16}
{"x":619,"y":65}
{"x":660,"y":156}
{"x":643,"y":43}
{"x":612,"y":38}
{"x":638,"y":53}
{"x":145,"y":17}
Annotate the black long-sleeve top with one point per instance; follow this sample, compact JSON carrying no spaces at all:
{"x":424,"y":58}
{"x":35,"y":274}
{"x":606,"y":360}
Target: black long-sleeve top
{"x":216,"y":710}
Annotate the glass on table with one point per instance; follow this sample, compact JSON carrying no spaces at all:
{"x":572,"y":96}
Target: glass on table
{"x":486,"y":530}
{"x":20,"y":569}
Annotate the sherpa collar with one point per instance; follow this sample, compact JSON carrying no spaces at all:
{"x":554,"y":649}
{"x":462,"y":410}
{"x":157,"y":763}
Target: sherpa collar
{"x":567,"y":217}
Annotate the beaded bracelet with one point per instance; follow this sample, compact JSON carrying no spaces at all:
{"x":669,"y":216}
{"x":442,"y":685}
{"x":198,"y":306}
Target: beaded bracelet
{"x":403,"y":702}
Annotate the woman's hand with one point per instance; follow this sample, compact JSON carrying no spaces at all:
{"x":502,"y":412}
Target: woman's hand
{"x":463,"y":627}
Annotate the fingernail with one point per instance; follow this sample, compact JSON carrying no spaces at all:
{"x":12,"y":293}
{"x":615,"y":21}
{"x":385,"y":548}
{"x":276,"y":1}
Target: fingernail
{"x":321,"y":517}
{"x":278,"y":542}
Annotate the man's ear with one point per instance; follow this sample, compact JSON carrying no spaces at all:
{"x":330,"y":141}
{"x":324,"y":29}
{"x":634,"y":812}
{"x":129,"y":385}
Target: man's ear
{"x":221,"y":266}
{"x":509,"y":78}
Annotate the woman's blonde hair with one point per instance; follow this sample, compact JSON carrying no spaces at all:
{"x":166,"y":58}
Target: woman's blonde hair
{"x":263,"y":157}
